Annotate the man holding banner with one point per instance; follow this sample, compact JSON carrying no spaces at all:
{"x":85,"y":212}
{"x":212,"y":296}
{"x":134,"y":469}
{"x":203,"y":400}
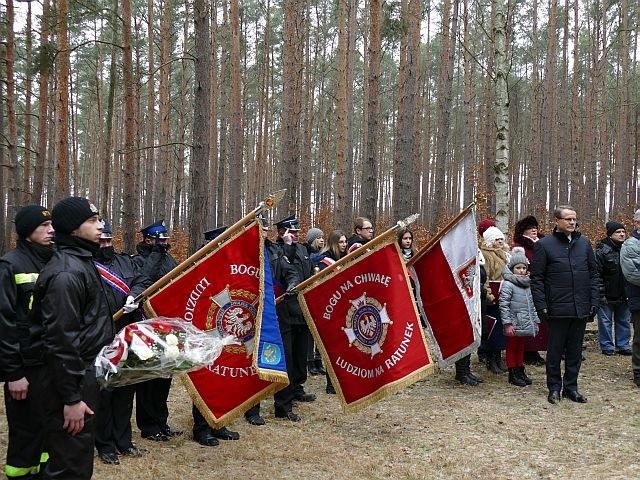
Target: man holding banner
{"x":294,"y":331}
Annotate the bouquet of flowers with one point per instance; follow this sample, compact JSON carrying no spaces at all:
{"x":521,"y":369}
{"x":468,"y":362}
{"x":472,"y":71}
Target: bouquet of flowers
{"x":157,"y":347}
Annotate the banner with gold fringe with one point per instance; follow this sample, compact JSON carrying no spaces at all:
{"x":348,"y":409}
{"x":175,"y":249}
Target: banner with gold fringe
{"x":364,"y":320}
{"x":230,"y":290}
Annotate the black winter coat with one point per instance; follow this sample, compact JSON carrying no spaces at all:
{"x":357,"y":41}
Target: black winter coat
{"x":155,"y":261}
{"x":297,"y":257}
{"x":608,"y":261}
{"x":70,"y":299}
{"x":20,"y":334}
{"x":125,"y":267}
{"x":564,"y":276}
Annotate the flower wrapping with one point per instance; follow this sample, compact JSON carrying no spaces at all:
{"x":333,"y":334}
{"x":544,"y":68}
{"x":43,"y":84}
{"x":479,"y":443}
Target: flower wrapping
{"x":157,"y":348}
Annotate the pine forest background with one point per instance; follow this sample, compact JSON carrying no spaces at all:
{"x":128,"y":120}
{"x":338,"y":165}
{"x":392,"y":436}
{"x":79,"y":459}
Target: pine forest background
{"x":194,"y":110}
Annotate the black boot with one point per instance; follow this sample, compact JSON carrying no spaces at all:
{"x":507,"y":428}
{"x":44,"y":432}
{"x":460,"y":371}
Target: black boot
{"x":320,"y":367}
{"x":515,"y":379}
{"x":463,"y":372}
{"x":311,"y":366}
{"x":501,"y":363}
{"x":524,"y":376}
{"x":492,"y":363}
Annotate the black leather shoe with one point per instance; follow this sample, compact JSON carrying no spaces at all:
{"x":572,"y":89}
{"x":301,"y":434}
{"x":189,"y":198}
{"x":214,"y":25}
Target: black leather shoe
{"x":171,"y":433}
{"x":624,"y":353}
{"x":331,"y":390}
{"x":311,"y":367}
{"x":554,"y":397}
{"x":574,"y":396}
{"x":475,"y":377}
{"x":110,"y":458}
{"x":466,"y":379}
{"x":157,"y":437}
{"x":255,"y":420}
{"x":636,"y":380}
{"x":206,"y":439}
{"x":608,"y":353}
{"x":288,"y":415}
{"x":134,"y":451}
{"x":320,"y":367}
{"x":305,"y":397}
{"x":224,"y":434}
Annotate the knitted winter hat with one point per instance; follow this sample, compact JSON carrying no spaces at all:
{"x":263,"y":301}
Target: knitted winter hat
{"x":492,"y":234}
{"x":71,"y":212}
{"x":612,"y":226}
{"x":517,"y":257}
{"x":313,"y":234}
{"x":29,"y":218}
{"x":484,"y":224}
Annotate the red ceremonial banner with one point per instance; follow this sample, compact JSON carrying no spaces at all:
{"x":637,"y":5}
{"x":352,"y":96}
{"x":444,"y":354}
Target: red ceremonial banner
{"x":448,"y":288}
{"x":365,"y":322}
{"x":223,"y":292}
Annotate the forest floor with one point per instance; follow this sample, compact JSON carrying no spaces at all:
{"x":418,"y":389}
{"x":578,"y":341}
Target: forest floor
{"x":435,"y":429}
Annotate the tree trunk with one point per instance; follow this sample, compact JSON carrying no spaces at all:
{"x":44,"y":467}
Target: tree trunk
{"x":235,"y":196}
{"x":62,"y":101}
{"x":501,"y":166}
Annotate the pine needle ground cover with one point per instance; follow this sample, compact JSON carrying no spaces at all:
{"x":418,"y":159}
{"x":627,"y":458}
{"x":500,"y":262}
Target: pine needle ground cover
{"x":436,"y":429}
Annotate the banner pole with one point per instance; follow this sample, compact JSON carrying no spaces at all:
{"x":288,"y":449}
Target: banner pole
{"x":363,"y":248}
{"x":427,"y":246}
{"x":268,"y":203}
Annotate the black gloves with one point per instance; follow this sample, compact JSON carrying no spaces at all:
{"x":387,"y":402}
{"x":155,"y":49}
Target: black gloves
{"x":543,"y":315}
{"x":592,"y":314}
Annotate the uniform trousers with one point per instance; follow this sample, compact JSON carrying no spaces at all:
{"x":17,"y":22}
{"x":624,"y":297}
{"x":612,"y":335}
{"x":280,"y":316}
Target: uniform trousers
{"x":152,"y":412}
{"x":25,"y":421}
{"x":113,"y":419}
{"x":295,"y":338}
{"x":70,"y":457}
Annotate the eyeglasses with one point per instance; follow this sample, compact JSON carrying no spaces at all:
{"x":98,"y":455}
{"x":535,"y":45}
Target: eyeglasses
{"x":367,"y":228}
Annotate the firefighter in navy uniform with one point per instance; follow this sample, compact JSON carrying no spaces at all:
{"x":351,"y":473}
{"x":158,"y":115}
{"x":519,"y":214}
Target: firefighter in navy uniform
{"x":21,"y":353}
{"x":202,"y":432}
{"x":293,"y":328}
{"x":152,"y":412}
{"x":124,"y":280}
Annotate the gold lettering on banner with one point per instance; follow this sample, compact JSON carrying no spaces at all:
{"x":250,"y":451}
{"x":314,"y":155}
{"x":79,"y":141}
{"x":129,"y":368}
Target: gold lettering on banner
{"x":195,"y":294}
{"x":233,"y":372}
{"x":398,"y":354}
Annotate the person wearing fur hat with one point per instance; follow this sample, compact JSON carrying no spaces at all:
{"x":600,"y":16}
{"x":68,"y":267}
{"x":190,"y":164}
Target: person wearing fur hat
{"x":70,"y":300}
{"x":613,"y":309}
{"x":518,"y":314}
{"x":496,"y":256}
{"x":526,"y":234}
{"x":21,"y":366}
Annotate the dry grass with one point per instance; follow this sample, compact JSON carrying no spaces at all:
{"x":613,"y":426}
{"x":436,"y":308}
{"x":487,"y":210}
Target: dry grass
{"x":435,"y":429}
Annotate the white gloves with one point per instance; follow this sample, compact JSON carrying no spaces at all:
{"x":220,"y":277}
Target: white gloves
{"x":130,"y":305}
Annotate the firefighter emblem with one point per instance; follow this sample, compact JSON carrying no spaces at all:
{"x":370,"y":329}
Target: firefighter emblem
{"x":367,"y":323}
{"x":233,"y":312}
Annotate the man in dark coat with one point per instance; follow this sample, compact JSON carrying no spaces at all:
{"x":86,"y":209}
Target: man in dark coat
{"x":293,"y":328}
{"x":363,"y":233}
{"x":123,"y":280}
{"x":21,"y":353}
{"x":613,"y":308}
{"x":70,"y":299}
{"x":152,"y":412}
{"x":566,"y":292}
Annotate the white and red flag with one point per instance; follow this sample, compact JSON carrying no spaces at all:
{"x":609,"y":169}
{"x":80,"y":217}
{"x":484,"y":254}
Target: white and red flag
{"x":365,"y":322}
{"x":448,"y":288}
{"x":230,"y":290}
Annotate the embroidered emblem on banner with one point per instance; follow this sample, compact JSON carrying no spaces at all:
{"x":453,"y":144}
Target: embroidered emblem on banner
{"x":466,"y":273}
{"x":234,"y":313}
{"x":367,"y":323}
{"x":271,"y":354}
